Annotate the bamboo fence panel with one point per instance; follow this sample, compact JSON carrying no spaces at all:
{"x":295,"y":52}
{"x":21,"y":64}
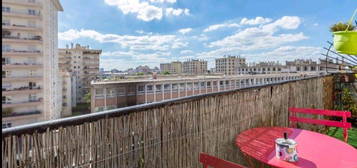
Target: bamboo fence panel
{"x":171,"y":135}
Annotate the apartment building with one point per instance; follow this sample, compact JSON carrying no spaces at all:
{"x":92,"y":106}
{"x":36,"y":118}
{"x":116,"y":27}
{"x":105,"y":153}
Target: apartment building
{"x":229,"y":65}
{"x":295,"y":66}
{"x":194,"y":66}
{"x":83,"y":65}
{"x":174,"y":67}
{"x":66,"y":79}
{"x":30,"y":82}
{"x":268,"y":67}
{"x":120,"y":93}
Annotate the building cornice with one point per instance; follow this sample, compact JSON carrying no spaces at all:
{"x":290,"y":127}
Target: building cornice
{"x":58,"y":5}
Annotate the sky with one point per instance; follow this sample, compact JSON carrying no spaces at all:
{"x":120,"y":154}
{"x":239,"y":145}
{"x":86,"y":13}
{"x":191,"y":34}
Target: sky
{"x":149,"y":32}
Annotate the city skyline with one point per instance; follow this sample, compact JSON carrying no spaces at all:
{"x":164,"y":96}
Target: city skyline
{"x":149,"y":32}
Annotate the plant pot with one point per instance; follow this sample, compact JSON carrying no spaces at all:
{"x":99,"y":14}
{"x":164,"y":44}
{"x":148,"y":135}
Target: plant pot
{"x":345,"y":42}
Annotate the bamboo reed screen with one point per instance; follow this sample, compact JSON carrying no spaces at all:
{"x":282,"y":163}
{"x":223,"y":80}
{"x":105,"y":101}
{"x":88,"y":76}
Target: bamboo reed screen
{"x":170,"y":135}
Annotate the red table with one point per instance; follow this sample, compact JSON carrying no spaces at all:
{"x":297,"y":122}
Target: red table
{"x":314,"y":149}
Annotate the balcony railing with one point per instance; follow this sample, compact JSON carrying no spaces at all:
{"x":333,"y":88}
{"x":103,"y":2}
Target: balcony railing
{"x":23,"y":38}
{"x":26,"y":13}
{"x":20,"y":26}
{"x":34,"y":3}
{"x":21,"y":88}
{"x":15,"y":114}
{"x":21,"y":64}
{"x":23,"y":102}
{"x":170,"y":133}
{"x":21,"y":51}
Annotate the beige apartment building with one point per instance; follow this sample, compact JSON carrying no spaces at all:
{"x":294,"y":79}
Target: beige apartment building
{"x":120,"y":93}
{"x":194,"y":66}
{"x":82,"y":63}
{"x":174,"y":67}
{"x":66,"y":80}
{"x":229,"y":65}
{"x":30,"y":82}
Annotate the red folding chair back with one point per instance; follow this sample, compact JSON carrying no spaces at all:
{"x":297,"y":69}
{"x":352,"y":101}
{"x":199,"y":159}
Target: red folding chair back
{"x":344,"y":114}
{"x":215,"y":162}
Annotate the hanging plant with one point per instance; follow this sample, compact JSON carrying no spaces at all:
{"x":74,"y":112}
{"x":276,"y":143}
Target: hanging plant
{"x":345,"y":37}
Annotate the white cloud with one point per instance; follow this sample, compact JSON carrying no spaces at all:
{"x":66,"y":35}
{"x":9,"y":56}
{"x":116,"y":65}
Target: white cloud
{"x":146,"y":10}
{"x":284,"y":53}
{"x":262,"y":37}
{"x":163,"y":1}
{"x":219,"y":26}
{"x":256,"y":21}
{"x":185,"y":30}
{"x":186,"y":52}
{"x":142,"y":42}
{"x":177,"y":12}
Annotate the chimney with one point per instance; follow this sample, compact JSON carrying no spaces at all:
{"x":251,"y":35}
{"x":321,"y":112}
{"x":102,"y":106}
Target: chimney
{"x":154,"y":75}
{"x":66,"y":46}
{"x":71,"y":45}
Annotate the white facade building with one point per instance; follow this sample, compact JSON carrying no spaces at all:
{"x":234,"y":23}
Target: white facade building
{"x":31,"y":88}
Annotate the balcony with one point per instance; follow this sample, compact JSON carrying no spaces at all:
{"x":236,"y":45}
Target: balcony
{"x":169,"y":133}
{"x":23,"y":14}
{"x":20,"y":52}
{"x":21,"y":66}
{"x":23,"y":3}
{"x":15,"y":39}
{"x":21,"y":78}
{"x":20,"y":27}
{"x":34,"y":102}
{"x":21,"y":90}
{"x":8,"y":113}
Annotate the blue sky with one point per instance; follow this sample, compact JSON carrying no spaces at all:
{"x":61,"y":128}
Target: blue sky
{"x":149,"y":32}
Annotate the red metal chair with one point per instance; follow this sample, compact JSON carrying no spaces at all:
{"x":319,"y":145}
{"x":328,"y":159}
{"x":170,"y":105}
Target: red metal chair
{"x":344,"y":114}
{"x":215,"y":162}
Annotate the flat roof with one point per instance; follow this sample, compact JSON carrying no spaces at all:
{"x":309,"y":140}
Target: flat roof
{"x":183,"y":78}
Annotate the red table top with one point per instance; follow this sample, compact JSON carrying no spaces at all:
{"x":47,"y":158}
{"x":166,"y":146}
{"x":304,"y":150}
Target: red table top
{"x":314,"y":149}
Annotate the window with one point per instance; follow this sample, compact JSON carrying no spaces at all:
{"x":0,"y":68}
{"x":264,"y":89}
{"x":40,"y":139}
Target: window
{"x":6,"y":22}
{"x":32,"y":48}
{"x":6,"y":100}
{"x":6,"y":74}
{"x":31,"y":12}
{"x":5,"y":60}
{"x":158,"y":88}
{"x":111,"y":92}
{"x":5,"y":9}
{"x":167,"y":87}
{"x":99,"y":92}
{"x":141,"y":89}
{"x":32,"y":97}
{"x":6,"y":47}
{"x":6,"y":125}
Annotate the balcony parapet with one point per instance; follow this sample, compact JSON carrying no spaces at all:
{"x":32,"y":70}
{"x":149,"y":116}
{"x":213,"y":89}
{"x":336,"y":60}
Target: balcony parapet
{"x":21,"y":90}
{"x":23,"y":3}
{"x":21,"y":65}
{"x":195,"y":121}
{"x":20,"y":13}
{"x":37,"y":38}
{"x":16,"y":114}
{"x":21,"y":78}
{"x":22,"y":103}
{"x":20,"y":27}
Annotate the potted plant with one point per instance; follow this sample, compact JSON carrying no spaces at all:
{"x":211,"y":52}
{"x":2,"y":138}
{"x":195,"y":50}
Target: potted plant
{"x":345,"y":37}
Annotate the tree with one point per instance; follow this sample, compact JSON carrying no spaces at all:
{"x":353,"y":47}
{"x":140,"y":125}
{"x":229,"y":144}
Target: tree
{"x":166,"y":73}
{"x":87,"y":98}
